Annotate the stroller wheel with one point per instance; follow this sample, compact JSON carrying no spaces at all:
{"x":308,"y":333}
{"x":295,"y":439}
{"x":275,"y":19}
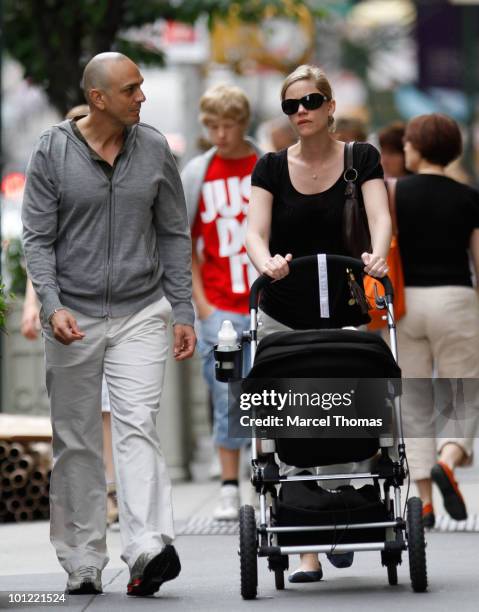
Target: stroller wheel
{"x":248,"y":552}
{"x":416,"y":545}
{"x":278,"y":564}
{"x":392,"y":574}
{"x":279,"y":579}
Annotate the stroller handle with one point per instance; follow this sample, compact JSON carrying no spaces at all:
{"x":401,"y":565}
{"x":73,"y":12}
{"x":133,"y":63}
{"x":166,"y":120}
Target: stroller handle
{"x":356,"y":264}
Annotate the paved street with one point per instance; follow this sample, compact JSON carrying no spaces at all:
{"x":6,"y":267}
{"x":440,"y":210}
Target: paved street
{"x":210,"y":576}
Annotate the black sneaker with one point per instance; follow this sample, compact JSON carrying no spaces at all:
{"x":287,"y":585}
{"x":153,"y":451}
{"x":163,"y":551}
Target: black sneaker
{"x":152,"y":569}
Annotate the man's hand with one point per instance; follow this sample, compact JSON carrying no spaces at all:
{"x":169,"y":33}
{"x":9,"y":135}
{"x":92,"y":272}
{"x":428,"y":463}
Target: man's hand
{"x":65,"y":328}
{"x":185,"y":341}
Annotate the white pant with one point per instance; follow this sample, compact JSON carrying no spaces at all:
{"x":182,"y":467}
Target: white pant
{"x":131,"y":351}
{"x":105,"y":397}
{"x":440,"y":332}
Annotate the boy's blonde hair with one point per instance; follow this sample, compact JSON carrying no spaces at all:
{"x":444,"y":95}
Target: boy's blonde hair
{"x":224,"y":102}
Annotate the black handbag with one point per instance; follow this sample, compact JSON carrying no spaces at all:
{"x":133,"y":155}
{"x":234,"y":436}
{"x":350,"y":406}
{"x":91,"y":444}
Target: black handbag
{"x":356,"y":236}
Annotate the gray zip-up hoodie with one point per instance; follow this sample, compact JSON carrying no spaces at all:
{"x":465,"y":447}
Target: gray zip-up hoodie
{"x":106,"y":247}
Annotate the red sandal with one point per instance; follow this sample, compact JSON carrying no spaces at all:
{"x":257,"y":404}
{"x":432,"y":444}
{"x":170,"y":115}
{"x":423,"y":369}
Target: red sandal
{"x":443,"y":476}
{"x":428,"y":516}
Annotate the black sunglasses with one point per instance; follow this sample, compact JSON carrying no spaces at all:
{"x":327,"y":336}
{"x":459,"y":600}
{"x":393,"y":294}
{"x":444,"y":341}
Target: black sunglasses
{"x":309,"y":102}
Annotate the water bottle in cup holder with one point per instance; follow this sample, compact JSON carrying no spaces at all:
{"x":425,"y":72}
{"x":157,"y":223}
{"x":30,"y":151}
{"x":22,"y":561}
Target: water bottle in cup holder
{"x":228,"y":354}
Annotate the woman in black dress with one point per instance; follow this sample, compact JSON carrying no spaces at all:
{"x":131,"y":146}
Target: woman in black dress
{"x":296,"y":209}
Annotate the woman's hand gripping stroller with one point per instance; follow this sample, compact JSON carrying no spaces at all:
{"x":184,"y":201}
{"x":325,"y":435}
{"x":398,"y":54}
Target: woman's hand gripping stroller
{"x":277,"y":267}
{"x":375,"y":265}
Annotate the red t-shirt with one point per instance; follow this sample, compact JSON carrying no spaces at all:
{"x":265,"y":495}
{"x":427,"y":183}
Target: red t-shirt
{"x":226,"y":271}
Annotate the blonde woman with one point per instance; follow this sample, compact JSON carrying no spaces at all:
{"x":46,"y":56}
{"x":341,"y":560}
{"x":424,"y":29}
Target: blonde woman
{"x":296,"y":209}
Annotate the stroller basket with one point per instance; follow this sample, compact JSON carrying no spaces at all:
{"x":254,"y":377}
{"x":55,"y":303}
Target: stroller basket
{"x":305,"y":504}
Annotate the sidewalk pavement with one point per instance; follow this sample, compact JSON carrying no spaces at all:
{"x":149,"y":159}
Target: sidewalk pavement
{"x":210,"y":575}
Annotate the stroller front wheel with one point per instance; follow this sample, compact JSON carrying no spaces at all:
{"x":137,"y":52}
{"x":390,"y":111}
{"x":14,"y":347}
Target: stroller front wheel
{"x":248,"y":552}
{"x":416,"y":545}
{"x":392,"y":573}
{"x":279,"y":579}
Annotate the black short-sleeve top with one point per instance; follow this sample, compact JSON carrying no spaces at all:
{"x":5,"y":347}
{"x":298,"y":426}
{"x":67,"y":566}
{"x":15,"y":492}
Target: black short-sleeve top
{"x":307,"y":225}
{"x":436,"y":216}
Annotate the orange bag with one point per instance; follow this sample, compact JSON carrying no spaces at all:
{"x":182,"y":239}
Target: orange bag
{"x":395,"y":273}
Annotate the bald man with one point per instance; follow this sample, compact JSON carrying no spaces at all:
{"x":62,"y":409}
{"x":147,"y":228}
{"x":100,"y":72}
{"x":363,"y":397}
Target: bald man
{"x":109,"y":254}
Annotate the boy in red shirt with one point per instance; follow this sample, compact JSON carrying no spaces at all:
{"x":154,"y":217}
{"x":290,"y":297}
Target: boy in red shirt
{"x":217,"y":186}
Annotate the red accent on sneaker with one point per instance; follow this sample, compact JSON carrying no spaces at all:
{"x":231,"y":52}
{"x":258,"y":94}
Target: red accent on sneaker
{"x":427,"y":509}
{"x":450,"y":475}
{"x":133,"y":584}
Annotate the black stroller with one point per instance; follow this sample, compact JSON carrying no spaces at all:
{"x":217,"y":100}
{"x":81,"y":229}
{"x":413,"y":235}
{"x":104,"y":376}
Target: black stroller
{"x":365,"y":519}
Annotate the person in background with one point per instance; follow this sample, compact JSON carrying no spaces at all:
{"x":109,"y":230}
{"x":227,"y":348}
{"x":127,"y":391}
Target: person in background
{"x":350,"y":129}
{"x":282,"y":134}
{"x":438,"y":222}
{"x":391,"y":144}
{"x":217,"y":187}
{"x":276,"y":134}
{"x":30,"y":327}
{"x":296,"y":209}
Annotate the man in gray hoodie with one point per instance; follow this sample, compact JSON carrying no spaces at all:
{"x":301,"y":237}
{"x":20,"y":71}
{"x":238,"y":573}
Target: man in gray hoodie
{"x":108,"y":250}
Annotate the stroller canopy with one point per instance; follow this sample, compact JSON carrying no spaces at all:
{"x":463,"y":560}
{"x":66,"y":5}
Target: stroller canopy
{"x":335,"y":353}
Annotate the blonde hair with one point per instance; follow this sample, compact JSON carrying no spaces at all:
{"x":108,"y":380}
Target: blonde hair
{"x":226,"y":102}
{"x":308,"y":72}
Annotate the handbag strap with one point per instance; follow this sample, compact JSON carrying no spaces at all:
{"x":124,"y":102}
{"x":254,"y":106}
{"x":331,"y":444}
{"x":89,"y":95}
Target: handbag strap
{"x":350,"y":174}
{"x":349,"y":158}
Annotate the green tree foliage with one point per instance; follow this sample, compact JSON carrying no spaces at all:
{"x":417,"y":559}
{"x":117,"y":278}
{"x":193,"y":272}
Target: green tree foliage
{"x":15,"y":266}
{"x":4,"y":305}
{"x":53,"y":39}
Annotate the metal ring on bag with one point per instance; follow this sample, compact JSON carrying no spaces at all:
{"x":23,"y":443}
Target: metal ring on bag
{"x":350,"y":170}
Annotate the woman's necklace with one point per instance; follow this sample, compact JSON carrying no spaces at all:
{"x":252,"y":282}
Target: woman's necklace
{"x":314,"y":173}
